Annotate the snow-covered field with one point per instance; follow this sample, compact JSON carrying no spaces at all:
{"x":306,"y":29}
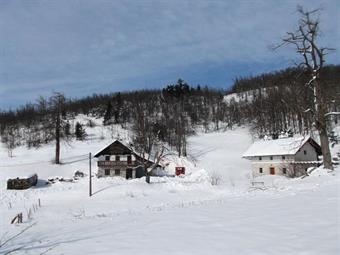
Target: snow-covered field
{"x":172,"y":215}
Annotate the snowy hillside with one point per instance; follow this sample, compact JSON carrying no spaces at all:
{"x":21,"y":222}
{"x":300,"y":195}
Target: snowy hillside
{"x":245,"y":96}
{"x":172,"y":215}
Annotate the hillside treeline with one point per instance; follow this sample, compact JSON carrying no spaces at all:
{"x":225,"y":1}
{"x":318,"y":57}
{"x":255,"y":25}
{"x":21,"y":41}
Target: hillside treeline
{"x":282,"y":101}
{"x":269,"y":103}
{"x":168,"y":115}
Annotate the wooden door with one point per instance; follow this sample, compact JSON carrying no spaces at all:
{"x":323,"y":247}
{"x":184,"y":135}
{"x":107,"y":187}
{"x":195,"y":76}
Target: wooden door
{"x":272,"y":170}
{"x":128,"y":173}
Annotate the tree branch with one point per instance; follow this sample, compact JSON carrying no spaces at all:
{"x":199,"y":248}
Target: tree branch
{"x":332,"y":114}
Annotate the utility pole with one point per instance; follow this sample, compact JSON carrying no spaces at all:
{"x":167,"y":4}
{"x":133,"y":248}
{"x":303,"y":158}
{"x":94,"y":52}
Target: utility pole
{"x":90,"y":176}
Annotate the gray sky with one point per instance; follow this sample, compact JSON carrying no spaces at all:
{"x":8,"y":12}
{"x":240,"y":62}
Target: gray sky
{"x":99,"y":46}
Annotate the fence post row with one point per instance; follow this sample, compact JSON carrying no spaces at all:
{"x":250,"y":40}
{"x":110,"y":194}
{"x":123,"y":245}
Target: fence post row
{"x":18,"y":218}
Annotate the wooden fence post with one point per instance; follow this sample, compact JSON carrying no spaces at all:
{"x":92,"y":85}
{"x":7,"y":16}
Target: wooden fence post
{"x":13,"y":220}
{"x":17,"y":218}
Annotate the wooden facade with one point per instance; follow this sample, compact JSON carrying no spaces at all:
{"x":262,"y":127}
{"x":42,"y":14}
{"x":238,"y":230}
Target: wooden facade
{"x":118,"y":159}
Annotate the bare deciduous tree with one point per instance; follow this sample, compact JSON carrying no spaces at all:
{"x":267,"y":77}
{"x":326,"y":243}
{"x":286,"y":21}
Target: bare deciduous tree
{"x":57,"y":101}
{"x":9,"y":140}
{"x":305,"y":41}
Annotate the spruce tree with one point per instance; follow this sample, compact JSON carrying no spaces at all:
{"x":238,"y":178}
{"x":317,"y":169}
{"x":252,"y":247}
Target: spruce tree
{"x":80,"y":132}
{"x":108,"y":114}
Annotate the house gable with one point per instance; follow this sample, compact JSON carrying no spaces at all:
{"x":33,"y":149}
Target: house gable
{"x":118,"y":148}
{"x":307,"y":152}
{"x":315,"y":145}
{"x":115,"y":148}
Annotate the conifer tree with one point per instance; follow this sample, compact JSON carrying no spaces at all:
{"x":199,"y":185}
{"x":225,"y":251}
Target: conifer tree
{"x":80,"y":132}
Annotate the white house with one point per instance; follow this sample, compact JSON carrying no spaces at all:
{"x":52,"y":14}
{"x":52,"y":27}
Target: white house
{"x":290,"y":156}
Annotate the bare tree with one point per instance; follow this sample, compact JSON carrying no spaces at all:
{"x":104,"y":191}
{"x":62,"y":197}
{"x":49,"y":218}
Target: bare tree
{"x":8,"y":138}
{"x":147,"y":143}
{"x":57,"y":101}
{"x":305,"y":41}
{"x":157,"y":154}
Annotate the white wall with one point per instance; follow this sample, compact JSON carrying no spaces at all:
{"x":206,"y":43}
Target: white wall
{"x":275,"y":159}
{"x":278,"y":166}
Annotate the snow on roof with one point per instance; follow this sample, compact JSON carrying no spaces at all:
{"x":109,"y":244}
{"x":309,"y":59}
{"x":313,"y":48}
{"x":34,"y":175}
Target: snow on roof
{"x":283,"y":146}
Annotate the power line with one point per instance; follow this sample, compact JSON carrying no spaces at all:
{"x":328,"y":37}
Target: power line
{"x":82,"y":158}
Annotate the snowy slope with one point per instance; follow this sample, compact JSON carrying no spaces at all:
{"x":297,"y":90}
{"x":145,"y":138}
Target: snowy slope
{"x":246,"y":96}
{"x":172,"y":215}
{"x":220,"y":154}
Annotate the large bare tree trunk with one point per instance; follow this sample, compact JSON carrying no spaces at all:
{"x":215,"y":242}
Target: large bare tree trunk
{"x":321,"y":125}
{"x":305,"y":41}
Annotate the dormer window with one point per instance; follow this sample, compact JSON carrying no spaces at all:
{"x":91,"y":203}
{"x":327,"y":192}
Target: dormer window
{"x":271,"y":157}
{"x":260,"y":158}
{"x":107,"y":158}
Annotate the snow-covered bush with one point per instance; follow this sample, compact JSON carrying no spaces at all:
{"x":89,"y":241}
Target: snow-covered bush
{"x":215,"y":178}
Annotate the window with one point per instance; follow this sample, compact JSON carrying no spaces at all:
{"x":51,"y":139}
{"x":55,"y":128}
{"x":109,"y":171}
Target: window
{"x":107,"y":158}
{"x":117,"y":171}
{"x":129,"y":159}
{"x":117,"y":158}
{"x":260,"y":170}
{"x":260,"y":158}
{"x":283,"y":157}
{"x":107,"y":171}
{"x":271,"y":157}
{"x":284,"y":170}
{"x":305,"y":152}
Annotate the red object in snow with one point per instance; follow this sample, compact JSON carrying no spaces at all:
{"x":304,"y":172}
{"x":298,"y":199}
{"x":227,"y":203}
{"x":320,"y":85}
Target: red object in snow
{"x":180,"y":170}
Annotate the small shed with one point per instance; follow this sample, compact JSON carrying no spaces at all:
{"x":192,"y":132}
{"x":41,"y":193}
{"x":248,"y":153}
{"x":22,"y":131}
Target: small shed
{"x":180,"y":170}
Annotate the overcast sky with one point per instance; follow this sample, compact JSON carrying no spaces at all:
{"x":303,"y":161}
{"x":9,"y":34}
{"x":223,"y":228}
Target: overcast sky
{"x":98,"y":46}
